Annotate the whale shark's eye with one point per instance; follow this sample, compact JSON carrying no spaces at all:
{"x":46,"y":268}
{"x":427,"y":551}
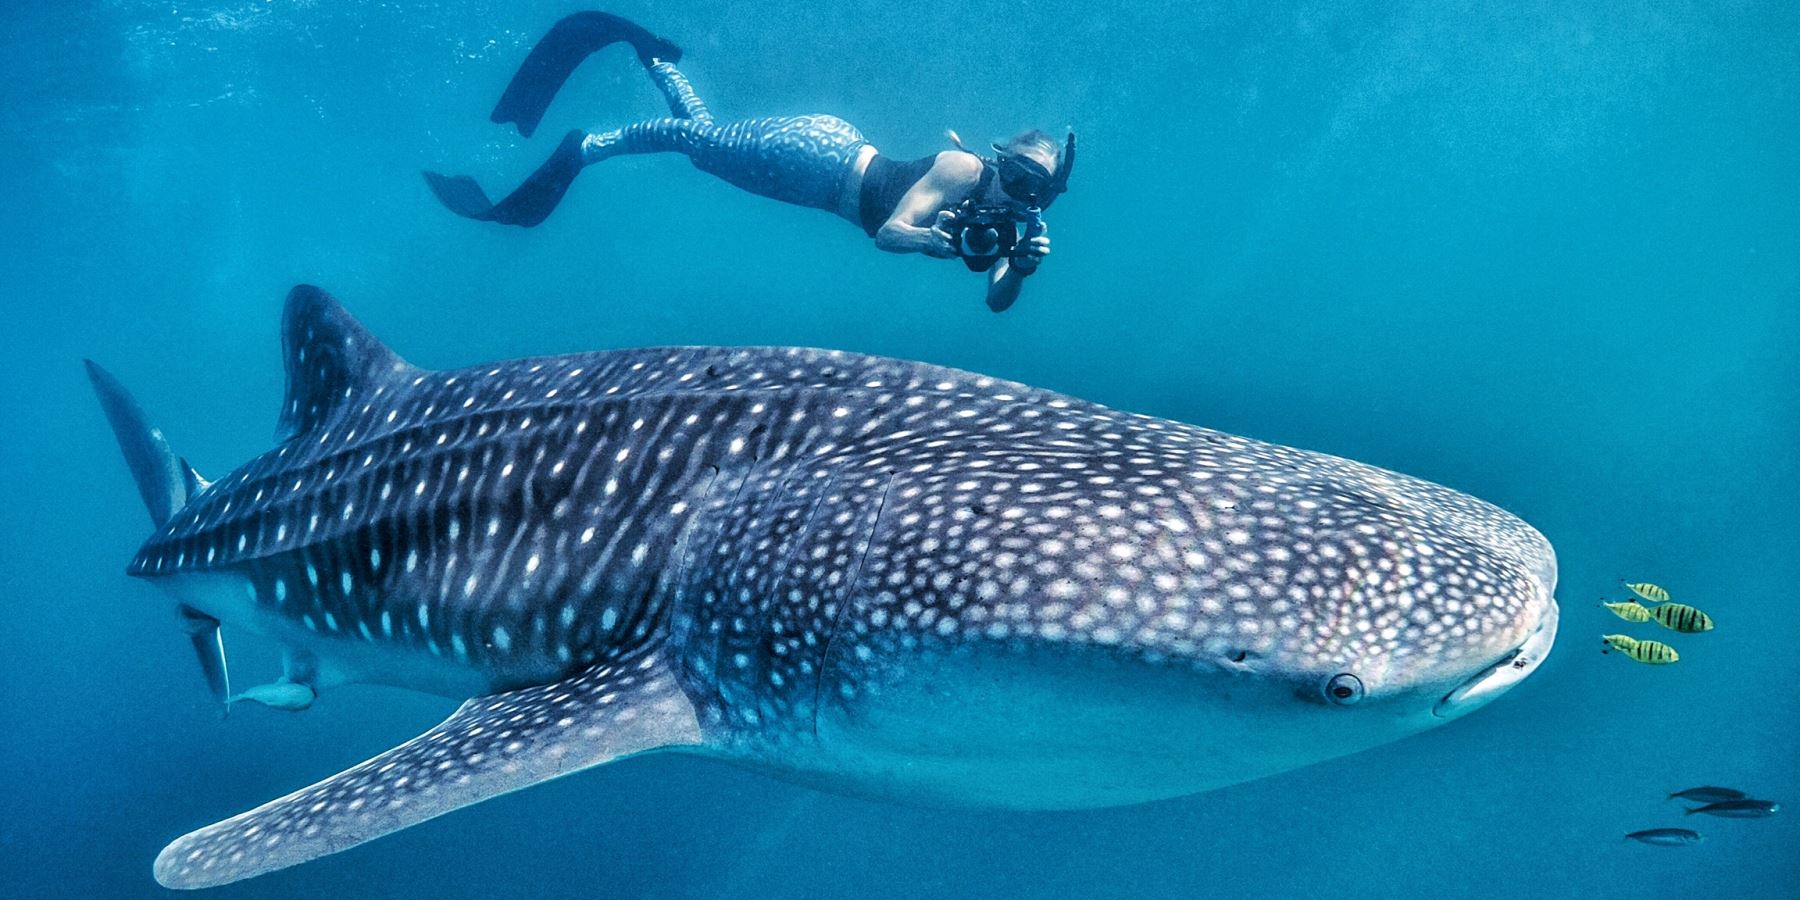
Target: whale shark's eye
{"x":1344,"y":689}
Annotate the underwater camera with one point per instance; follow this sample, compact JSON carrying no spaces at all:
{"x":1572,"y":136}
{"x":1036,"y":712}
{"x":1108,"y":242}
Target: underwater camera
{"x":983,"y":234}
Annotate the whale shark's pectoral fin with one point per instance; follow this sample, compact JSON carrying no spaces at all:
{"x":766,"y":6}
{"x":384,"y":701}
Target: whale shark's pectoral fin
{"x":491,"y":745}
{"x":209,"y":648}
{"x":288,"y":696}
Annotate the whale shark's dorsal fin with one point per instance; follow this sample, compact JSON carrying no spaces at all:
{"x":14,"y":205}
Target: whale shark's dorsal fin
{"x":330,"y":358}
{"x":490,"y":746}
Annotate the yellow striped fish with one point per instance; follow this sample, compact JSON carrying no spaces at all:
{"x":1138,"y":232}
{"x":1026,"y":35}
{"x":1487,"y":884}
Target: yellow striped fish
{"x":1648,"y":591}
{"x":1681,"y":617}
{"x":1629,"y":610}
{"x":1655,"y":653}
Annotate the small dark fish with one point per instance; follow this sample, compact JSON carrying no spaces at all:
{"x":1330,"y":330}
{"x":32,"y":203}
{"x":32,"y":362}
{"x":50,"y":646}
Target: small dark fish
{"x":1666,"y":837}
{"x":1738,"y":809}
{"x":1707,"y":793}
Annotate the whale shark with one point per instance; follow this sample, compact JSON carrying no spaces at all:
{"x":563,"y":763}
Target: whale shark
{"x":864,"y":575}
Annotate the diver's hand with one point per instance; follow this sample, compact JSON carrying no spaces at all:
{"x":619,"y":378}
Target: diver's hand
{"x":1035,"y":250}
{"x":938,"y":243}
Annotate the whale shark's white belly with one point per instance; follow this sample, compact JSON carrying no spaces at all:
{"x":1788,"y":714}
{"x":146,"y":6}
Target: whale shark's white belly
{"x":1053,"y":727}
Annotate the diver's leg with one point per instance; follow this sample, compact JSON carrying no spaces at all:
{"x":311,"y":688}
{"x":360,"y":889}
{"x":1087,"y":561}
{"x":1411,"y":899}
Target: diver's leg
{"x":794,"y":159}
{"x":670,"y":135}
{"x":568,"y":42}
{"x":683,"y":102}
{"x":533,"y":201}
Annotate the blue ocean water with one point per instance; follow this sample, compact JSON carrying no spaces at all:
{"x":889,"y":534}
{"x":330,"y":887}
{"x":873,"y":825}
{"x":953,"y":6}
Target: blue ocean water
{"x":1548,"y":254}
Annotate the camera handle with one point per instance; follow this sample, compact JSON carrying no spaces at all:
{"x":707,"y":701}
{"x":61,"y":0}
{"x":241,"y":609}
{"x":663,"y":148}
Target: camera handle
{"x":1034,"y":227}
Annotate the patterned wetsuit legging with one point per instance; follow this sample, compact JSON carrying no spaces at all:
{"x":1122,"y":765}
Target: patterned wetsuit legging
{"x":795,"y":159}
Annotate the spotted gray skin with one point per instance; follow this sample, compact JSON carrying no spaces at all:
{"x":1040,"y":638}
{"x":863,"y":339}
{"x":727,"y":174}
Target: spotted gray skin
{"x":862,"y":574}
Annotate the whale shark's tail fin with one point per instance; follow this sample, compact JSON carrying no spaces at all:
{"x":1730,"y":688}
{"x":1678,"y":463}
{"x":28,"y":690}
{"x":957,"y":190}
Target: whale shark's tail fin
{"x":166,"y":483}
{"x":162,"y":478}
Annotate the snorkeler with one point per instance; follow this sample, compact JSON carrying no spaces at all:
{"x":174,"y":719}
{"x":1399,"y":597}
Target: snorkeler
{"x":953,"y":204}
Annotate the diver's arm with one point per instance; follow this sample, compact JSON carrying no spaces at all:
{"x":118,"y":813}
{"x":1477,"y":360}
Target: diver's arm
{"x":1003,"y":286}
{"x":1006,"y":277}
{"x":917,"y":223}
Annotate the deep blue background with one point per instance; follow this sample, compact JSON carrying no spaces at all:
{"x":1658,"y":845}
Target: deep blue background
{"x":1545,"y":253}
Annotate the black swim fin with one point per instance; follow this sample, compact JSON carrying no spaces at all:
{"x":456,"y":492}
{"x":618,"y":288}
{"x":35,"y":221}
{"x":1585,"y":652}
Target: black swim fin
{"x":570,"y":41}
{"x":526,"y":206}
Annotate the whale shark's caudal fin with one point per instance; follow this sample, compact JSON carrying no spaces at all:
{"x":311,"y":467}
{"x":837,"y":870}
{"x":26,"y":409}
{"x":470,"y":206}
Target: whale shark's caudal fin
{"x":330,"y":359}
{"x":161,"y":477}
{"x":490,"y":746}
{"x":166,"y":483}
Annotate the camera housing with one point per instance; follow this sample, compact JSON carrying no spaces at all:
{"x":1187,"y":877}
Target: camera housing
{"x":982,"y":234}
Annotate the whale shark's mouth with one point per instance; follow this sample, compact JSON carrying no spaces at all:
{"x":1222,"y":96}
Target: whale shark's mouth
{"x":1511,"y":669}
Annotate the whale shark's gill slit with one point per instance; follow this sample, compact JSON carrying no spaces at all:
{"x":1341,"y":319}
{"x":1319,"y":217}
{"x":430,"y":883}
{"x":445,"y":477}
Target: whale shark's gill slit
{"x":640,"y":619}
{"x":681,"y":551}
{"x":683,"y":542}
{"x":1239,"y":659}
{"x":711,"y":648}
{"x":848,"y":597}
{"x":666,"y":592}
{"x":770,"y":509}
{"x":799,"y":538}
{"x":774,"y":599}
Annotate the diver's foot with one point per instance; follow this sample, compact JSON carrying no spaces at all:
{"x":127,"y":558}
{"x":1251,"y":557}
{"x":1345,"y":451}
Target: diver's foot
{"x":461,"y":195}
{"x":657,"y":50}
{"x":569,"y":41}
{"x":529,"y":204}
